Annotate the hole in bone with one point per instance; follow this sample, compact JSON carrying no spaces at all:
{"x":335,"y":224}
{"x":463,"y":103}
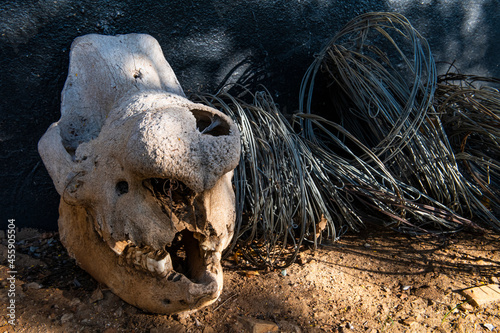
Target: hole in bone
{"x":121,"y":188}
{"x":171,"y":191}
{"x":175,"y":198}
{"x":138,"y":74}
{"x":186,"y":257}
{"x":210,"y":124}
{"x":166,"y":301}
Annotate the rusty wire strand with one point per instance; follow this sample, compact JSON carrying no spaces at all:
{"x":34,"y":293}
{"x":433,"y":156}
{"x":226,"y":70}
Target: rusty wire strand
{"x":406,"y":149}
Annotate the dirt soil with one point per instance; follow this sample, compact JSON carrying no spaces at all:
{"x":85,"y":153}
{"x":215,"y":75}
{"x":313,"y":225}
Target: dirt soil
{"x":373,"y":281}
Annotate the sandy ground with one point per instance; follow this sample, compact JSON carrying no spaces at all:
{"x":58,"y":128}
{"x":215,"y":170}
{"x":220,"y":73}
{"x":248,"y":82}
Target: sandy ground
{"x":373,"y":281}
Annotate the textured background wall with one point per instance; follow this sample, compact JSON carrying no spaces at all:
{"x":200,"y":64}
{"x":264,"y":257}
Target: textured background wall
{"x":203,"y":41}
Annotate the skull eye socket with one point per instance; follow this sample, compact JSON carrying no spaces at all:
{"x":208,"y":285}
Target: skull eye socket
{"x":121,"y":188}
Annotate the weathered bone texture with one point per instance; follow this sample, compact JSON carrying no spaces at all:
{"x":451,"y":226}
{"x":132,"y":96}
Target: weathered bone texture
{"x":147,"y":205}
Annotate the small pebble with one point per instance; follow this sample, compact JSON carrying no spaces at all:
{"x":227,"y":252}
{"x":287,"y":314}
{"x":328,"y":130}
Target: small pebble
{"x":96,"y":296}
{"x":182,"y":318}
{"x":77,"y":283}
{"x":66,"y":317}
{"x":32,"y":285}
{"x":283,"y":272}
{"x":119,"y":312}
{"x":74,"y":302}
{"x":489,"y":326}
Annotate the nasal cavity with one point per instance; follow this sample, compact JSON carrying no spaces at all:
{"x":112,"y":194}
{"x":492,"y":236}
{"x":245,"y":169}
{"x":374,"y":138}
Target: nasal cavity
{"x":210,"y":124}
{"x":121,"y":188}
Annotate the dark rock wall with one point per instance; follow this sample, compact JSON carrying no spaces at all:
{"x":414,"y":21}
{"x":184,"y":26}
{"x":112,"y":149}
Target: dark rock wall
{"x":204,"y":41}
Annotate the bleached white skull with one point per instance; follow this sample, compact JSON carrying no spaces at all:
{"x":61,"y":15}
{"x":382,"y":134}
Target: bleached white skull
{"x":147,"y":204}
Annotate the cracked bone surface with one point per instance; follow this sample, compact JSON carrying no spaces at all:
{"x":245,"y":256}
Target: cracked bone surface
{"x":147,"y":205}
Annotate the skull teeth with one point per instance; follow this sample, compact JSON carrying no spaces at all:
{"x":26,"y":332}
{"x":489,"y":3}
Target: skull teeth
{"x":157,"y":262}
{"x":160,"y":263}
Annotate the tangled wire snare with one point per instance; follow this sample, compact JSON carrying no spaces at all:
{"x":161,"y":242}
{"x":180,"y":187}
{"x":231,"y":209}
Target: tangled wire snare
{"x":471,"y":117}
{"x":269,"y":182}
{"x":395,"y":154}
{"x":384,"y":73}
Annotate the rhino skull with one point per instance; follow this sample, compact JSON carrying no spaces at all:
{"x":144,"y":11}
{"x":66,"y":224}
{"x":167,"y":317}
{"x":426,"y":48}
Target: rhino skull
{"x":147,"y":204}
